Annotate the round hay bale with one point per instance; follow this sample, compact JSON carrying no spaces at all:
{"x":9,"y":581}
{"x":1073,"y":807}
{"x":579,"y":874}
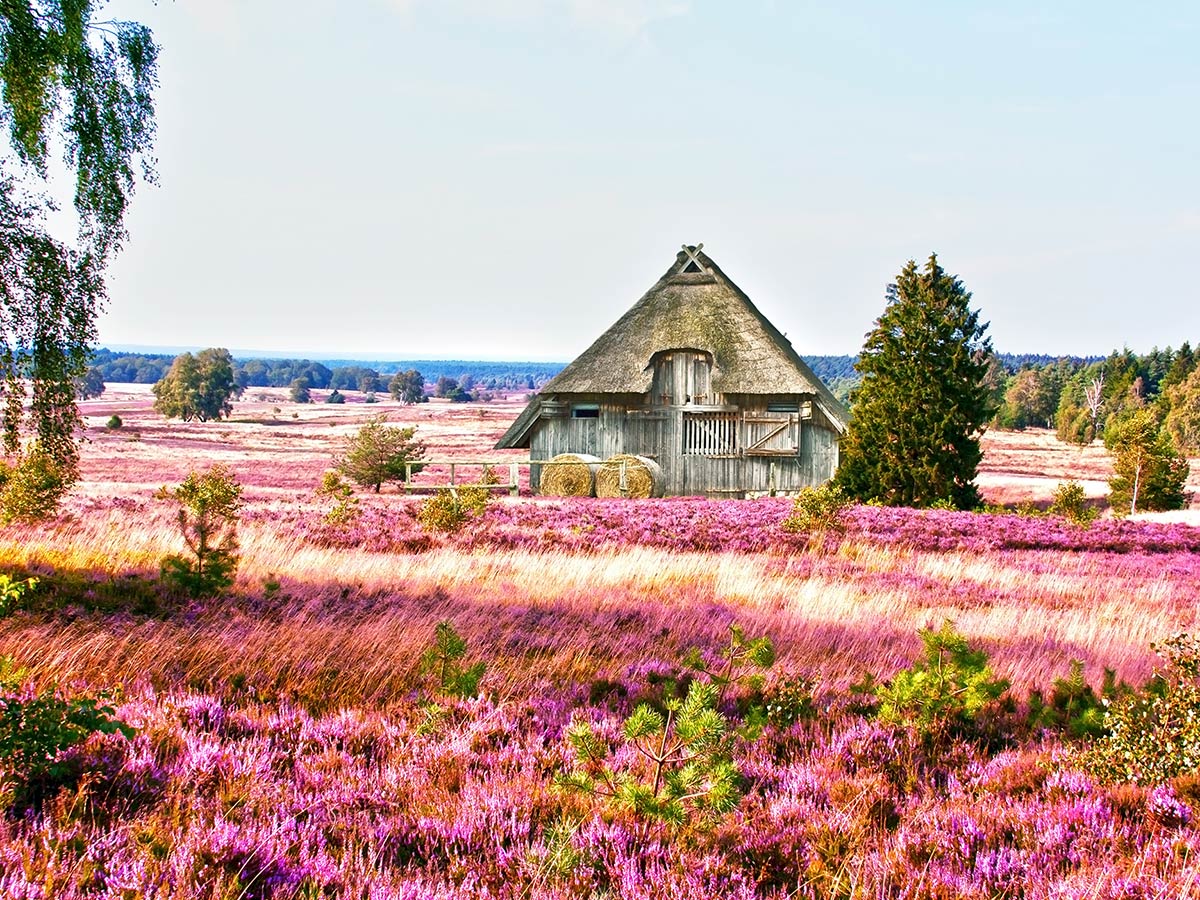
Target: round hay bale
{"x":570,"y":475}
{"x":643,"y":478}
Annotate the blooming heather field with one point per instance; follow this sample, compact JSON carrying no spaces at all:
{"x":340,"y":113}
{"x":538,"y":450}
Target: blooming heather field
{"x":284,"y":746}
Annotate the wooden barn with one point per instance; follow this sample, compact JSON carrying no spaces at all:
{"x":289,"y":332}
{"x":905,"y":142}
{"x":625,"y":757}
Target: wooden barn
{"x":695,"y":378}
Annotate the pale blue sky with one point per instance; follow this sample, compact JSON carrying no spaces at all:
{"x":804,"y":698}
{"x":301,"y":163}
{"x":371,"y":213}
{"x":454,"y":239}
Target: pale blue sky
{"x":503,"y":179}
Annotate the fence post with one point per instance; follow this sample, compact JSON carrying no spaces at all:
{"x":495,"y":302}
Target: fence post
{"x":623,"y":484}
{"x":452,"y":481}
{"x":514,"y":480}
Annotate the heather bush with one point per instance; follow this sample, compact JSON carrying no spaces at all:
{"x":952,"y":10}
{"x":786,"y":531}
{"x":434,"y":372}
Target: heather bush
{"x":679,"y":772}
{"x":444,"y":661}
{"x":208,"y":517}
{"x":35,"y":730}
{"x":31,"y":487}
{"x":1070,"y":502}
{"x":943,"y":693}
{"x":1154,"y":734}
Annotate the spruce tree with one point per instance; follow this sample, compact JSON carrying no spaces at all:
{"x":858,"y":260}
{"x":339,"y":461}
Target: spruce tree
{"x":922,"y":404}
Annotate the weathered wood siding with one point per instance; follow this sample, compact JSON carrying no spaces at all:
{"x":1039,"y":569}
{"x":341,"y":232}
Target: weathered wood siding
{"x":750,"y":444}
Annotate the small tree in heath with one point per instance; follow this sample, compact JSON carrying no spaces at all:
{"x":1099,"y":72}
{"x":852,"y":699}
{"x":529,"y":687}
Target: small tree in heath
{"x":208,"y":514}
{"x":379,"y":452}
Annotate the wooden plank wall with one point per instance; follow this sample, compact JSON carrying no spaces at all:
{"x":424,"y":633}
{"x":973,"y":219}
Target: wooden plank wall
{"x":658,"y":432}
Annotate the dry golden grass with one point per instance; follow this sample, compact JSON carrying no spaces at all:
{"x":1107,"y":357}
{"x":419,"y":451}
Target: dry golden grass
{"x":352,"y":623}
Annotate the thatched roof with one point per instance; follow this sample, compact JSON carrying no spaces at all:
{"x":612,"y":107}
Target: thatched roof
{"x":696,"y":310}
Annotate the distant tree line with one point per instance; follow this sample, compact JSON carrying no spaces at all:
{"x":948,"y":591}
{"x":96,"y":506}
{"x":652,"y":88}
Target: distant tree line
{"x":342,"y":375}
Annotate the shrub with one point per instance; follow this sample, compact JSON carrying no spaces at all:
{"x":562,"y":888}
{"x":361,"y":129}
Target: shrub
{"x":335,"y":396}
{"x":208,"y":516}
{"x":12,"y":592}
{"x":449,"y":509}
{"x":679,"y":773}
{"x":1070,"y":502}
{"x":1154,"y":735}
{"x":1073,"y":706}
{"x":818,"y":512}
{"x":345,"y":505}
{"x":943,"y":693}
{"x":114,"y":422}
{"x":31,"y":488}
{"x":443,"y":659}
{"x":35,"y":729}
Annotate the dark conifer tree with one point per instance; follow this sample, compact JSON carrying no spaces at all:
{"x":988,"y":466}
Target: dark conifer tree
{"x":922,"y":403}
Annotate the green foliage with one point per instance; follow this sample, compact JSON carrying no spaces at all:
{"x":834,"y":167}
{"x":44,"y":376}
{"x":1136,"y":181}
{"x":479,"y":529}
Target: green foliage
{"x":1073,"y":706}
{"x":90,"y":385}
{"x":408,"y":387}
{"x":200,"y":387}
{"x":451,"y":508}
{"x":818,"y":512}
{"x":114,"y":422}
{"x":1149,"y":474}
{"x":1183,"y":419}
{"x":444,"y":660}
{"x":918,"y":414}
{"x":90,"y":85}
{"x":1154,"y":735}
{"x":12,"y":592}
{"x":208,"y":517}
{"x":788,"y":701}
{"x":345,"y":505}
{"x":31,"y":487}
{"x":941,"y":694}
{"x":35,"y":729}
{"x":298,"y":391}
{"x":335,"y":396}
{"x":741,"y":661}
{"x":682,"y":772}
{"x":1070,"y":502}
{"x":378,"y":452}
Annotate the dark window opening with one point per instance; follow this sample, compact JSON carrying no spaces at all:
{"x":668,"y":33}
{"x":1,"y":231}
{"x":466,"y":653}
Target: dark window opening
{"x":586,"y":411}
{"x":783,"y":407}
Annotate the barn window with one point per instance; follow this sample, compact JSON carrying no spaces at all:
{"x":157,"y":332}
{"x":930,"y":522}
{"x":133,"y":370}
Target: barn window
{"x":710,"y":434}
{"x":585,"y":411}
{"x":792,"y":407}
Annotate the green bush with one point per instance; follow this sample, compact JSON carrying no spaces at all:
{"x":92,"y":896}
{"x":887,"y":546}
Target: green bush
{"x":1070,"y":502}
{"x":345,"y":505}
{"x":818,"y":512}
{"x":31,"y":488}
{"x":1154,"y":735}
{"x":35,"y":729}
{"x":681,"y":772}
{"x":1073,"y":706}
{"x":114,"y":422}
{"x":208,"y":517}
{"x":942,"y":694}
{"x":444,"y":660}
{"x":449,"y":509}
{"x":12,"y":592}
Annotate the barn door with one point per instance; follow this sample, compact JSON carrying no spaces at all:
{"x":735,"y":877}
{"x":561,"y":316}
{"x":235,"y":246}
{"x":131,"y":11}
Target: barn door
{"x":772,"y":434}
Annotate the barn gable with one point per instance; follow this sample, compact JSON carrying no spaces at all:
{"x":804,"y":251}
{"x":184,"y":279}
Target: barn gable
{"x":694,"y":307}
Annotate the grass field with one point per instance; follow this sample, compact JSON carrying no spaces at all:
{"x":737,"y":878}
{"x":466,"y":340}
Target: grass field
{"x":283,"y":748}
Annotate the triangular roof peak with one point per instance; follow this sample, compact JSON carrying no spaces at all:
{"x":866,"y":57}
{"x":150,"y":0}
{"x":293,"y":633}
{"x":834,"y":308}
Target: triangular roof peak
{"x":694,"y":305}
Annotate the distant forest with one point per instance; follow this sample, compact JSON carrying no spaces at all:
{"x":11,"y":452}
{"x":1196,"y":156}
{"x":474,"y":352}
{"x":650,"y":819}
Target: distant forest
{"x":345,"y":374}
{"x":342,"y":374}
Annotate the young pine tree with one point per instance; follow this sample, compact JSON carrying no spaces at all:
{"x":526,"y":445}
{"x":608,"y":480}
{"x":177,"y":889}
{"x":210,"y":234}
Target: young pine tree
{"x":922,"y":403}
